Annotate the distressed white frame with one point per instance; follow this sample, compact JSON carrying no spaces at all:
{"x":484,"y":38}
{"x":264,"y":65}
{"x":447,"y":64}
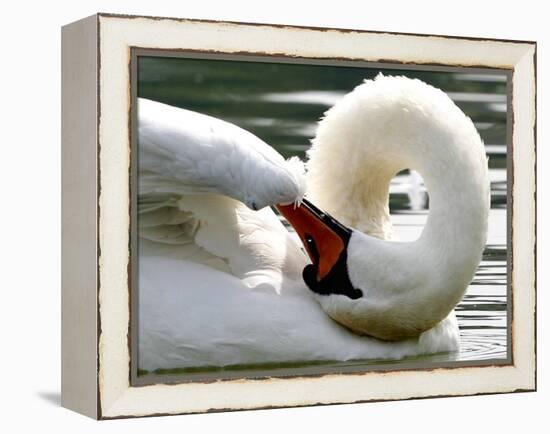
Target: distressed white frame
{"x":116,"y":34}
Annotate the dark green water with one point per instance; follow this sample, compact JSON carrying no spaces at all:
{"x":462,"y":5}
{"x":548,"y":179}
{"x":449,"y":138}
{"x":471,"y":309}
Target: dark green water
{"x":281,"y":103}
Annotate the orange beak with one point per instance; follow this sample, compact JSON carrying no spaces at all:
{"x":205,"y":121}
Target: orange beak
{"x":326,"y":241}
{"x":324,"y":238}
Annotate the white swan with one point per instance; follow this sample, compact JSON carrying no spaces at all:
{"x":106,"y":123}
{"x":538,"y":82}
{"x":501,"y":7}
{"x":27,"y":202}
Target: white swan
{"x":220,"y":284}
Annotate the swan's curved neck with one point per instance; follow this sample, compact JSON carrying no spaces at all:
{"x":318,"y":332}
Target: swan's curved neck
{"x":449,"y":156}
{"x":364,"y":141}
{"x":455,"y":179}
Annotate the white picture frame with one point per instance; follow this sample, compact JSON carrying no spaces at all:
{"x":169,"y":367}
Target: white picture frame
{"x":97,"y":175}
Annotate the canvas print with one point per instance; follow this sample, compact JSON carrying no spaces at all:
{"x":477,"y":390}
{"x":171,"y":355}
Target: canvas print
{"x":295,"y":218}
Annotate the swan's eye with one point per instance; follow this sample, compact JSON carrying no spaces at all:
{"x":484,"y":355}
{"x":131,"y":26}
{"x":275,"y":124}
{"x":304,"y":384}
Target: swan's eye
{"x":311,"y":248}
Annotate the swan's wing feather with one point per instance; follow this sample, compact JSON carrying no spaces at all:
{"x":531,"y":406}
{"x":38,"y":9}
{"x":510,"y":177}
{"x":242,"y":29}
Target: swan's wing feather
{"x":220,"y":232}
{"x":185,"y":152}
{"x":253,"y":245}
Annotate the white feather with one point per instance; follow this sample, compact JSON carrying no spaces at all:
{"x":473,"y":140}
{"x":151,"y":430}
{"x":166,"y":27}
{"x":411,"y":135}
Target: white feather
{"x":186,"y":152}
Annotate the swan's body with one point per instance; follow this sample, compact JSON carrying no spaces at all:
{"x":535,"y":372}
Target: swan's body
{"x":220,"y":284}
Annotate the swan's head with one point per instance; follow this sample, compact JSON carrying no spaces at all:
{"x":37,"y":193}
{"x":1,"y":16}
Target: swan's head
{"x":326,"y":241}
{"x":340,"y":280}
{"x":336,"y":284}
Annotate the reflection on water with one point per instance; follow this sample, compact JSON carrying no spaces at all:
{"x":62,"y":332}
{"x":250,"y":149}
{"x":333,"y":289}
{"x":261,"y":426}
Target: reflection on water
{"x":282,"y":104}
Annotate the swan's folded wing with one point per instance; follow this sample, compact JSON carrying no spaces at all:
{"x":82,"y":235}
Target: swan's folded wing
{"x":222,"y":233}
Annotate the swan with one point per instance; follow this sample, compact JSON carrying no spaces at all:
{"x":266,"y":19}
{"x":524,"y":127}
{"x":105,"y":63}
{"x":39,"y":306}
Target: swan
{"x":222,"y":282}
